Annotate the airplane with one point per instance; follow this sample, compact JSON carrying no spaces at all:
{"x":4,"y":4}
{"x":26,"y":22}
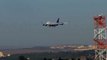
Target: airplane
{"x":53,"y":24}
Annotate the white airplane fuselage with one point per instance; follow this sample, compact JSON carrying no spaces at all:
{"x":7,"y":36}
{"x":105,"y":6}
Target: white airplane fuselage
{"x":51,"y":24}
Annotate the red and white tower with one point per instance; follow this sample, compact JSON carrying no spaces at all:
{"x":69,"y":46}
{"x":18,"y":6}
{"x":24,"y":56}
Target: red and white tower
{"x":100,"y":37}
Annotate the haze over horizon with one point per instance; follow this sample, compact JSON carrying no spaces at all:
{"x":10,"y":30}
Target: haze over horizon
{"x":21,"y":22}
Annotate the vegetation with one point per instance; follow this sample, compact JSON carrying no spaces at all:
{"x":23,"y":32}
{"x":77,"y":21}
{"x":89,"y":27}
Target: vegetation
{"x":51,"y":56}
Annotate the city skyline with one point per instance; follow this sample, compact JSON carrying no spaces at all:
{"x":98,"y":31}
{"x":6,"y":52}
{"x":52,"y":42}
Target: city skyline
{"x":21,"y":22}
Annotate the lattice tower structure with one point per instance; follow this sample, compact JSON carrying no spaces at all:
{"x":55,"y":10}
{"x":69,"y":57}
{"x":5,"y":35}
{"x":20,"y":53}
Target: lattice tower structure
{"x":100,"y":37}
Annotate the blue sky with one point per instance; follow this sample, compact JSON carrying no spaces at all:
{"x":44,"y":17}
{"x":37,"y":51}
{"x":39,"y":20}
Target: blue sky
{"x":21,"y":22}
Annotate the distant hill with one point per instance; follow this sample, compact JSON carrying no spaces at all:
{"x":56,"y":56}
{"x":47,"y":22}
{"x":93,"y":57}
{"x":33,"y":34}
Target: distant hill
{"x":39,"y":49}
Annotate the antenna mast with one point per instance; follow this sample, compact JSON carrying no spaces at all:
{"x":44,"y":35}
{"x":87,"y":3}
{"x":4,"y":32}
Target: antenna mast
{"x":100,"y":37}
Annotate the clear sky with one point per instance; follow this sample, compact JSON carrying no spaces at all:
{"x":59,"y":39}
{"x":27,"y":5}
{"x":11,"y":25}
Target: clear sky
{"x":21,"y":22}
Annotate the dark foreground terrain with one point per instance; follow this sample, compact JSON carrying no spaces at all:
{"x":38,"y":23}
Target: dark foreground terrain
{"x":88,"y":55}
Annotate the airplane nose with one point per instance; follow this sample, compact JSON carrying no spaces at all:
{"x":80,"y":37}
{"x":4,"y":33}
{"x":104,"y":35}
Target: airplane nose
{"x":43,"y":24}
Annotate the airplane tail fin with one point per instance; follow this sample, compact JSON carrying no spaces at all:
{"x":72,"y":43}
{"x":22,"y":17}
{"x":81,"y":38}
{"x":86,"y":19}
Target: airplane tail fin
{"x":57,"y":20}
